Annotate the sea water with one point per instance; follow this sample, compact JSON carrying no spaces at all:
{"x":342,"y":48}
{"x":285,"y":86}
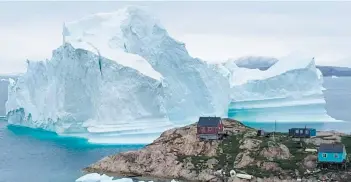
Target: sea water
{"x":28,"y":155}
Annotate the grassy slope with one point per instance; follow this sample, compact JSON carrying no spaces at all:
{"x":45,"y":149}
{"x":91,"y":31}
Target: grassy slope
{"x":229,"y":149}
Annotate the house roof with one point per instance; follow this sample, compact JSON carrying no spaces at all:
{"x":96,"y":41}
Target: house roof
{"x":331,"y":148}
{"x":209,"y":121}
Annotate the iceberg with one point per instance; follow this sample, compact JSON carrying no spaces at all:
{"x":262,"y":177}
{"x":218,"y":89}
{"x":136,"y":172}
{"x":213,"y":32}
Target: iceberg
{"x":290,"y":90}
{"x":95,"y":177}
{"x":120,"y":78}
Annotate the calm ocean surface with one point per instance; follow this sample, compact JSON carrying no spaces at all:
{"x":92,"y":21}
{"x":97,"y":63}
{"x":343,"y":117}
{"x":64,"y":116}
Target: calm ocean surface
{"x":28,"y":155}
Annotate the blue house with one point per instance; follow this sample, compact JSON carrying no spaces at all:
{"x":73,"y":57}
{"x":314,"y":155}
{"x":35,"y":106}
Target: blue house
{"x":332,"y":153}
{"x":302,"y":132}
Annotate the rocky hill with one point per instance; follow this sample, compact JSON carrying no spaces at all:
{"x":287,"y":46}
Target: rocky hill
{"x":179,"y":154}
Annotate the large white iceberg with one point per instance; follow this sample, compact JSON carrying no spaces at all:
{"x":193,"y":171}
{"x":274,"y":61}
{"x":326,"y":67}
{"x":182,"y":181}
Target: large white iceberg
{"x":117,"y":76}
{"x":120,"y":78}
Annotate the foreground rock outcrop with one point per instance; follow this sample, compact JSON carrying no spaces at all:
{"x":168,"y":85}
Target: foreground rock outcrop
{"x":163,"y":158}
{"x":179,"y":154}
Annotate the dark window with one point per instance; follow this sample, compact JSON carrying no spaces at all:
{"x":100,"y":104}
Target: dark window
{"x":203,"y":129}
{"x":324,"y":155}
{"x":336,"y":155}
{"x":209,"y":128}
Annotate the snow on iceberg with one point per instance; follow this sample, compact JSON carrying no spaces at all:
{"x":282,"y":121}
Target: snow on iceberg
{"x":118,"y":78}
{"x":255,"y":62}
{"x":290,"y":90}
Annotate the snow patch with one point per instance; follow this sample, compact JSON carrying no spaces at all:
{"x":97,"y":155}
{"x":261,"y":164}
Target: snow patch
{"x":255,"y":62}
{"x":102,"y":34}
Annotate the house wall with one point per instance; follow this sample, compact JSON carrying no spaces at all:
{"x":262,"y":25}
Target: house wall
{"x":207,"y":130}
{"x":209,"y":136}
{"x":330,"y":157}
{"x":313,"y":132}
{"x":221,"y":127}
{"x":302,"y":132}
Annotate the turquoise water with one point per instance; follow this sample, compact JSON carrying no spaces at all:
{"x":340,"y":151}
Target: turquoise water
{"x":28,"y":155}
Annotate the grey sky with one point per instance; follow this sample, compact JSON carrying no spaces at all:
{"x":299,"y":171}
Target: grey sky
{"x":213,"y":31}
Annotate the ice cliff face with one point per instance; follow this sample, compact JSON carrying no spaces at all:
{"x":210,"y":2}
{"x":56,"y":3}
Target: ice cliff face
{"x":120,"y":78}
{"x":68,"y":95}
{"x":117,"y":75}
{"x":191,"y":87}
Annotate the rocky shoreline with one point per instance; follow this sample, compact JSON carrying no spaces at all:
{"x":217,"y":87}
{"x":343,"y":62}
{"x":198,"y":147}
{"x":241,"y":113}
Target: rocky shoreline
{"x":179,"y":154}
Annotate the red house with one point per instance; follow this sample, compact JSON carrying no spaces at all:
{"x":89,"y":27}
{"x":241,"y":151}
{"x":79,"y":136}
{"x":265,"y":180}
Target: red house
{"x":210,"y":128}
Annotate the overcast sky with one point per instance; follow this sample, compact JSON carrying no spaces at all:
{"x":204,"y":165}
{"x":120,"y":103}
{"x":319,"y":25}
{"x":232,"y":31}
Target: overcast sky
{"x":212,"y":31}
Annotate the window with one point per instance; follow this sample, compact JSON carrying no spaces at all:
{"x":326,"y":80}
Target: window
{"x":301,"y":131}
{"x":324,"y":155}
{"x":336,"y":155}
{"x":307,"y":132}
{"x":297,"y":131}
{"x":209,"y":129}
{"x":203,"y":130}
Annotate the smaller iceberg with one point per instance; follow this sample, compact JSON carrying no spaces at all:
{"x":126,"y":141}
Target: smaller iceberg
{"x":95,"y":177}
{"x":291,"y":90}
